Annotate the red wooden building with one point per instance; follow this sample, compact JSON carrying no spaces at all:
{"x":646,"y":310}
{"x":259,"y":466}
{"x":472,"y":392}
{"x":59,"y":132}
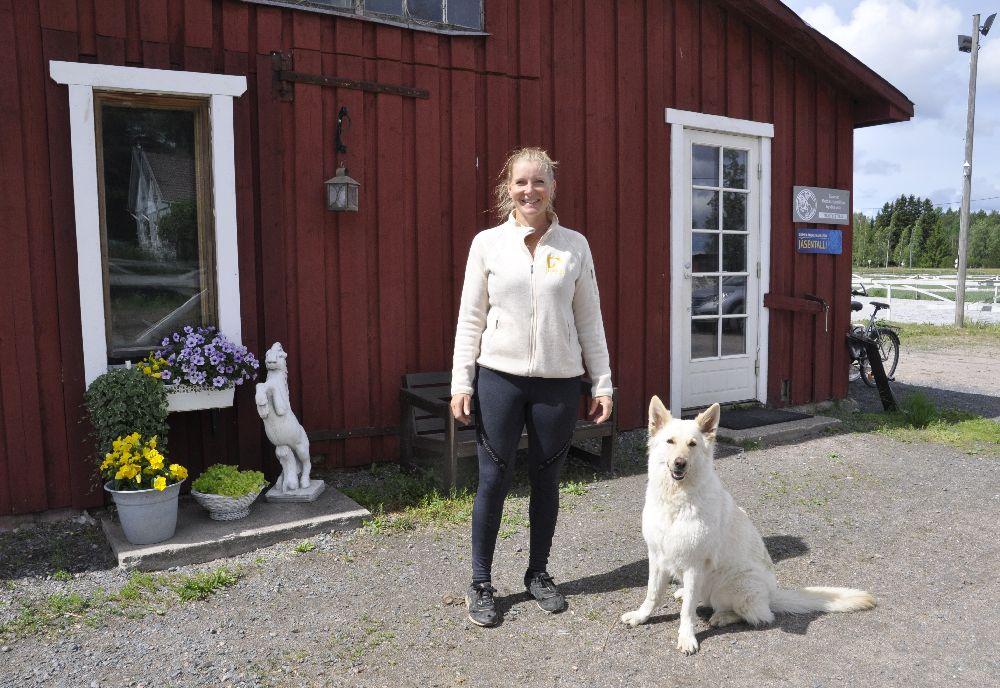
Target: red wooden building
{"x":681,"y":127}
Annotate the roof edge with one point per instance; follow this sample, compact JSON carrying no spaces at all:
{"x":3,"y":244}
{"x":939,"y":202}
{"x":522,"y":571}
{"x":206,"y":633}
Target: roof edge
{"x":878,"y":101}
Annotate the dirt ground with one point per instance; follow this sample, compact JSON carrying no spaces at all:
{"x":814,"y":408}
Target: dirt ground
{"x":915,"y":524}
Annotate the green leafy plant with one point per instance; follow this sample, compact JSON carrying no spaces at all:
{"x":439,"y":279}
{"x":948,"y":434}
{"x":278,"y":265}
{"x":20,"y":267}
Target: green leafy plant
{"x":305,"y":546}
{"x":123,"y":401}
{"x":919,"y":410}
{"x":229,"y":481}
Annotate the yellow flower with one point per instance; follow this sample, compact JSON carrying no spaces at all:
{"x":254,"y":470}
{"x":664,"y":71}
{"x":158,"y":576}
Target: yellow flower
{"x":152,"y":442}
{"x":178,"y":471}
{"x":155,"y":459}
{"x":160,"y":483}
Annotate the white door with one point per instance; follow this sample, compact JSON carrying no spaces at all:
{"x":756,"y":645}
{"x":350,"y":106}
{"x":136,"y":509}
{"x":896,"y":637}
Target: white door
{"x":720,"y":265}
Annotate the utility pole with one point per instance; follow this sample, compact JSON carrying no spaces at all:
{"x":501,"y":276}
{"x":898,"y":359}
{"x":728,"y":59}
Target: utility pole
{"x":963,"y":227}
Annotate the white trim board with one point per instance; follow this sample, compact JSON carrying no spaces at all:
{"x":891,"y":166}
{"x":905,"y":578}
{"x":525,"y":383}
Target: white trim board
{"x":219,"y":89}
{"x":678,"y":121}
{"x":723,"y":125}
{"x":142,"y":80}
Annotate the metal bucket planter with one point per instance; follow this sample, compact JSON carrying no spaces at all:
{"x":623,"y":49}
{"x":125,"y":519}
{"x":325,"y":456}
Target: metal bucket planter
{"x":147,"y":516}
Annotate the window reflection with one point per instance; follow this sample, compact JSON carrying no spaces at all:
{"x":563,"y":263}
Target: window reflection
{"x":159,"y":256}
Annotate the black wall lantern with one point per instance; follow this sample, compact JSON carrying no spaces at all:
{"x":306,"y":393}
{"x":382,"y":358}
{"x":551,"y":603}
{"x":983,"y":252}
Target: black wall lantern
{"x":341,"y":190}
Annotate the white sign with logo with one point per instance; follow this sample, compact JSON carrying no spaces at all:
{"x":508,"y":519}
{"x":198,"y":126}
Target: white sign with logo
{"x":814,"y":204}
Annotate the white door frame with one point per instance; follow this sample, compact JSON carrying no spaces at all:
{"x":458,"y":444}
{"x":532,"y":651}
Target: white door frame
{"x":679,"y":120}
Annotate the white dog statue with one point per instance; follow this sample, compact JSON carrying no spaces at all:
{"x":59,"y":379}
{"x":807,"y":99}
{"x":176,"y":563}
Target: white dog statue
{"x":291,"y":445}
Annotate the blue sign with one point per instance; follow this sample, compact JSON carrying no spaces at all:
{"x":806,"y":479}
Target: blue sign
{"x":819,"y":241}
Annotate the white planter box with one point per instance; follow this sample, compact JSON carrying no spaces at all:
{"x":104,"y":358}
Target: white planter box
{"x":199,"y":399}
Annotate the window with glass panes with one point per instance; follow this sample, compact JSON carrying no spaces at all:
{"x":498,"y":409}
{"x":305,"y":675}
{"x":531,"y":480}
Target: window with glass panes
{"x":461,"y":14}
{"x":719,"y":199}
{"x":157,"y":235}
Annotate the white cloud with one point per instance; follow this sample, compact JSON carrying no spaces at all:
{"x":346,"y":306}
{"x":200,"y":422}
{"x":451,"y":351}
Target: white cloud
{"x":911,"y":44}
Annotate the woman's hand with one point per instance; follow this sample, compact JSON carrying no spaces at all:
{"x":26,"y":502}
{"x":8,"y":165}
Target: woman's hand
{"x":601,"y":404}
{"x":461,"y":408}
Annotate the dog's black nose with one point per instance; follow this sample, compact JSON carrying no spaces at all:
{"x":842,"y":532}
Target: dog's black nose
{"x":680,"y":463}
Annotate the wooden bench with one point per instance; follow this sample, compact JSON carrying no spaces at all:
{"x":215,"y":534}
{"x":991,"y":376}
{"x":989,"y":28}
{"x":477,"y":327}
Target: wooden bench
{"x":428,"y":428}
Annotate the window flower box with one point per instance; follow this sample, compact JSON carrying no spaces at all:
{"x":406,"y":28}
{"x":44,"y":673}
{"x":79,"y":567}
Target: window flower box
{"x":198,"y":398}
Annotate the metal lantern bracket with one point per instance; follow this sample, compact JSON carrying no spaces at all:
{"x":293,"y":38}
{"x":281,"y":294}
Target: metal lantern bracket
{"x":285,"y":76}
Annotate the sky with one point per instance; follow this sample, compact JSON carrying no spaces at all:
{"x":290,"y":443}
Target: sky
{"x":913,"y":44}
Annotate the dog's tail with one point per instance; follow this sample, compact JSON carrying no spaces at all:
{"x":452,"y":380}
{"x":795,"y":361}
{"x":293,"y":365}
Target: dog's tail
{"x":819,"y":599}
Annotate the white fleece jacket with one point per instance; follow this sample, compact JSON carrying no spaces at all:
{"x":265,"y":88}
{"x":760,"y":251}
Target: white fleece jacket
{"x":533,"y":317}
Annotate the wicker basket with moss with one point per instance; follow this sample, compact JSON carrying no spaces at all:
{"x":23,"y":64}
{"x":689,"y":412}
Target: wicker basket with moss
{"x":227,"y":492}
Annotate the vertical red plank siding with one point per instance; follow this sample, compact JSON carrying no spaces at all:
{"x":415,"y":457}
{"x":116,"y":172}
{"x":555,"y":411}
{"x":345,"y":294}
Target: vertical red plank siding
{"x":738,"y":64}
{"x":841,"y":308}
{"x":22,"y":423}
{"x":359,"y":299}
{"x":42,"y":259}
{"x":804,"y":277}
{"x":782,"y":235}
{"x":713,"y":59}
{"x":826,"y":169}
{"x":658,"y":87}
{"x":601,"y":154}
{"x":630,"y":304}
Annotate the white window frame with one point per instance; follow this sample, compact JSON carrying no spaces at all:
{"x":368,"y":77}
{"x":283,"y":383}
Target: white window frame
{"x":679,"y":120}
{"x":219,"y":90}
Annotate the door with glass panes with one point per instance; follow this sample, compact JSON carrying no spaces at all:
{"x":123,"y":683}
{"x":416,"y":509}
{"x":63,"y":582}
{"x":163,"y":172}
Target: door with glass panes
{"x":721,"y":268}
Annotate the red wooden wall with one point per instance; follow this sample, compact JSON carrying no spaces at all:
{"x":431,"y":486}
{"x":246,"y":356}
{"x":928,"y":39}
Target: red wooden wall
{"x":359,"y":299}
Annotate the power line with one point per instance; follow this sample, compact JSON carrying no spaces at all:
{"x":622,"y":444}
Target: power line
{"x":936,"y":205}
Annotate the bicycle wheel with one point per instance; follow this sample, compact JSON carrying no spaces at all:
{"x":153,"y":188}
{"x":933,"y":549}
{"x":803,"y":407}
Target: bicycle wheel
{"x":888,"y":345}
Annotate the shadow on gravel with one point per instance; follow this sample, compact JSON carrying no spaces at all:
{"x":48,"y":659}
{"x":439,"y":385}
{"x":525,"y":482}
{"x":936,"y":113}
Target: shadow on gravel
{"x":797,"y":624}
{"x":782,"y":547}
{"x":980,"y":404}
{"x":622,"y":578}
{"x":53,"y":549}
{"x":636,"y":574}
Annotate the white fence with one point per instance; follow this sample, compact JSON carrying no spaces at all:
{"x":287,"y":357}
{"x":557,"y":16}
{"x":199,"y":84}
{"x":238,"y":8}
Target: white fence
{"x":936,"y":287}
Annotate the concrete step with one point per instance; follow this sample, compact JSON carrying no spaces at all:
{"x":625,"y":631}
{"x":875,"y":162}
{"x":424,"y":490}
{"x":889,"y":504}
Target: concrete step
{"x":779,"y":432}
{"x":198,"y":538}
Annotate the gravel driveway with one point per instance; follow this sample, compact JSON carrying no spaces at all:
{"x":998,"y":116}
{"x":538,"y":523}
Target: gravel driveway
{"x":916,"y":524}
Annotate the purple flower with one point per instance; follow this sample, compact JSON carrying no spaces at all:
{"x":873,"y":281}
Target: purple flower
{"x":198,"y":360}
{"x":192,"y":340}
{"x":188,"y":329}
{"x":215,"y":359}
{"x":165,"y":375}
{"x":255,"y":364}
{"x":165,"y":342}
{"x":238,"y":357}
{"x":229,"y":370}
{"x":218,"y":381}
{"x":176,"y":337}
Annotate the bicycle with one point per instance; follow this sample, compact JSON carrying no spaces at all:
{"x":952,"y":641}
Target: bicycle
{"x":886,"y":339}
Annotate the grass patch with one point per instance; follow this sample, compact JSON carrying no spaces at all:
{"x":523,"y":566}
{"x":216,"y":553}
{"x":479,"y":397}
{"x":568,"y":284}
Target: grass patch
{"x":971,"y":295}
{"x":400,"y":500}
{"x":574,"y":487}
{"x":305,"y":546}
{"x":974,"y":332}
{"x":141,"y":594}
{"x":204,"y":584}
{"x":918,"y":420}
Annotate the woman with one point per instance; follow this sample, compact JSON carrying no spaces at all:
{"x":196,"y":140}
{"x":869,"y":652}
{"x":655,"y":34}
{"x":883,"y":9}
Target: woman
{"x":528,"y":325}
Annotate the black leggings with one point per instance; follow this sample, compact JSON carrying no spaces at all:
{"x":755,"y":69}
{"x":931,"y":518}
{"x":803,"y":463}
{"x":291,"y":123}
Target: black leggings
{"x":506,"y":404}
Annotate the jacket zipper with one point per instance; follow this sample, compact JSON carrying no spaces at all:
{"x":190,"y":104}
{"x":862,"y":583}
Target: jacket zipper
{"x":531,"y":333}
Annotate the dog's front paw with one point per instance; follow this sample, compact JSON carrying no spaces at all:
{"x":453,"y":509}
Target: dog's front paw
{"x":686,"y":642}
{"x":634,"y":618}
{"x":679,"y":594}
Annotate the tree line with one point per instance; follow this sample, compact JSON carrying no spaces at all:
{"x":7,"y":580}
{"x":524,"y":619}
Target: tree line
{"x":911,"y":232}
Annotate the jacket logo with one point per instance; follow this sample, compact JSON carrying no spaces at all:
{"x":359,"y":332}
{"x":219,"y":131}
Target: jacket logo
{"x":553,"y":264}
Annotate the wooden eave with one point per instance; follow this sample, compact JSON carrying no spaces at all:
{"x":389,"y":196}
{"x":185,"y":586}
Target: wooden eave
{"x":876,"y":101}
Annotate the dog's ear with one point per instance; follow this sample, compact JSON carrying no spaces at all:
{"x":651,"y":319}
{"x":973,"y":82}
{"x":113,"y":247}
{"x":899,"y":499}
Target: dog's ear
{"x":658,"y":415}
{"x":708,"y":420}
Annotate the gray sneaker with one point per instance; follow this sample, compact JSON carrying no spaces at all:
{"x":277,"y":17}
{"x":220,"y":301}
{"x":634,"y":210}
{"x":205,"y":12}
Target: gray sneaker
{"x":540,"y":586}
{"x":482,"y":608}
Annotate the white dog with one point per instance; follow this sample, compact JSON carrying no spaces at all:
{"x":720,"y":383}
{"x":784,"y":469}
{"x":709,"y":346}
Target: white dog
{"x":696,"y":534}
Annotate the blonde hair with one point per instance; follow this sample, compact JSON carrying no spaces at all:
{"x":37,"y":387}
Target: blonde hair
{"x":504,"y":204}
